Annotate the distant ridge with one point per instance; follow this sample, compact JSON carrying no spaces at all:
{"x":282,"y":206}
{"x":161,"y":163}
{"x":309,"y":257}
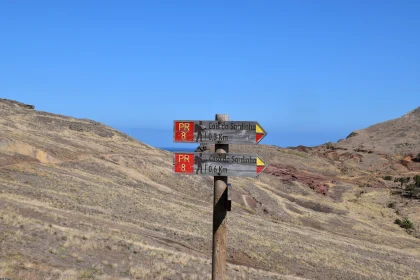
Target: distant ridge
{"x":399,"y":136}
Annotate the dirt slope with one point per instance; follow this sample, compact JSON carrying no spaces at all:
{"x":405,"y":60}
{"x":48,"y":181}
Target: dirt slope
{"x":80,"y":200}
{"x":399,"y":136}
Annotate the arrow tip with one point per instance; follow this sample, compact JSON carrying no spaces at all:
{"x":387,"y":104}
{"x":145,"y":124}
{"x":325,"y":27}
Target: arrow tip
{"x":258,"y":129}
{"x":260,"y":165}
{"x":259,"y":137}
{"x":260,"y":133}
{"x":260,"y":169}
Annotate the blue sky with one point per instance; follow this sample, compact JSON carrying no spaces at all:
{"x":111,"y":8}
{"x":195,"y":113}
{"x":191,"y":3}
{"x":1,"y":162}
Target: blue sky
{"x":309,"y":71}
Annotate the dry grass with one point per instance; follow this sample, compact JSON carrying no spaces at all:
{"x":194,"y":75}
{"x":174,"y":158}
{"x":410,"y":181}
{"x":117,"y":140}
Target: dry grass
{"x":110,"y":208}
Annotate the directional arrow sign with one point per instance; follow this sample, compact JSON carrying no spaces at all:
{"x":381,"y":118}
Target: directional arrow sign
{"x":213,"y":132}
{"x":213,"y":164}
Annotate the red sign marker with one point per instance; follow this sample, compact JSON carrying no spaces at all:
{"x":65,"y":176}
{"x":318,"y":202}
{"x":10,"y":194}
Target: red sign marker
{"x":184,"y":131}
{"x":184,"y":163}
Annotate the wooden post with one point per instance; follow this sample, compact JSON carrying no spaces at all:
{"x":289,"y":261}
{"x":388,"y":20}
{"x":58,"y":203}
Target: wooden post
{"x":219,"y":216}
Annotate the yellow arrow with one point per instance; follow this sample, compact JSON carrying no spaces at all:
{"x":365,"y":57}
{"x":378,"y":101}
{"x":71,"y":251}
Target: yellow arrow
{"x":260,"y":162}
{"x":258,"y":129}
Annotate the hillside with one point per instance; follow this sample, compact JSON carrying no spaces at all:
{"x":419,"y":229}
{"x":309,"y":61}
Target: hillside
{"x":400,"y":136}
{"x":80,"y":200}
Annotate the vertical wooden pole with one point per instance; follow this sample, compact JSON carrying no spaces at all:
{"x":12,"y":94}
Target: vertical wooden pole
{"x":219,"y":216}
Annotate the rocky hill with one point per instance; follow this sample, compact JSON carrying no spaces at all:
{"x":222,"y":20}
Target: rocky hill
{"x":399,"y":137}
{"x":80,"y":200}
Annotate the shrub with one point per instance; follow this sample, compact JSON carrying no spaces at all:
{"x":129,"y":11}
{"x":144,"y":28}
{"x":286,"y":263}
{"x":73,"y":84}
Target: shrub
{"x":391,"y":205}
{"x":406,"y":223}
{"x":388,"y":178}
{"x":416,"y":180}
{"x":413,"y":190}
{"x":329,"y":145}
{"x":402,"y":180}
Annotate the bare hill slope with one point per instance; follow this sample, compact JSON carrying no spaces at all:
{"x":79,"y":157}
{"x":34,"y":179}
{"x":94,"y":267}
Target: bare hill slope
{"x":80,"y":200}
{"x":399,"y":136}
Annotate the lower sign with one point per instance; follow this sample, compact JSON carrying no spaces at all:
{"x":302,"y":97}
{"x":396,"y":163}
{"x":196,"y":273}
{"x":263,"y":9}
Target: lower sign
{"x":212,"y":164}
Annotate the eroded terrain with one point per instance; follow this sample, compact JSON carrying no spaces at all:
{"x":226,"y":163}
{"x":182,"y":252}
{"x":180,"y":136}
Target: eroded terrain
{"x":80,"y":200}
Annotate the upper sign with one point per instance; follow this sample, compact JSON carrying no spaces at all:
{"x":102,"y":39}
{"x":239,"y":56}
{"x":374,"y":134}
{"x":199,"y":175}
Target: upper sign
{"x":214,"y":132}
{"x":212,"y":164}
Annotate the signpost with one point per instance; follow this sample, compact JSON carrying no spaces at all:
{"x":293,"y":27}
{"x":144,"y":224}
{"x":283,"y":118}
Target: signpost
{"x":219,"y":164}
{"x":212,"y":164}
{"x":224,"y":132}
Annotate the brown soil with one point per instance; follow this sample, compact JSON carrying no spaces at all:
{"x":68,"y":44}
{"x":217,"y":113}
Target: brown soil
{"x":80,"y":200}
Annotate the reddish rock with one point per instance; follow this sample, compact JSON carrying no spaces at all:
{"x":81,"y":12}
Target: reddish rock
{"x":320,"y":188}
{"x":288,"y":173}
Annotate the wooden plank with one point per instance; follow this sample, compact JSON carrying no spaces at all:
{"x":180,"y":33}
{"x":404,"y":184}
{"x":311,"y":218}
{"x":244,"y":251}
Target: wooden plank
{"x":218,"y":132}
{"x":218,"y":164}
{"x":219,"y":214}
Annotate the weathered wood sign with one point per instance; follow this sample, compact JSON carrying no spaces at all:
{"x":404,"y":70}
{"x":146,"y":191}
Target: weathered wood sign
{"x":212,"y":164}
{"x":226,"y":132}
{"x":222,"y":164}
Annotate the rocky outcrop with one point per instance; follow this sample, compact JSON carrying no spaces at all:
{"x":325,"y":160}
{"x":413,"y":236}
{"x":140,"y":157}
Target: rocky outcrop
{"x":16,"y":103}
{"x":288,"y":173}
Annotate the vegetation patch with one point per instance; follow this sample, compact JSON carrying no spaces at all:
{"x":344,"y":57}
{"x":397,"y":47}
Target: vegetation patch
{"x":410,"y":190}
{"x":405,"y":224}
{"x":417,"y":158}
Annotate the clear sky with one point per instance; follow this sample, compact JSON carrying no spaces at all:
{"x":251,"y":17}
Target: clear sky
{"x":309,"y":71}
